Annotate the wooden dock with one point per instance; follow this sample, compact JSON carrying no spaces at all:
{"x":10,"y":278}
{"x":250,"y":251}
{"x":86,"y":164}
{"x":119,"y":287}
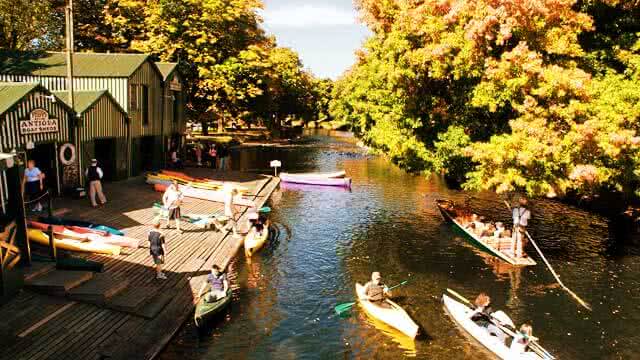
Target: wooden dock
{"x":123,"y":312}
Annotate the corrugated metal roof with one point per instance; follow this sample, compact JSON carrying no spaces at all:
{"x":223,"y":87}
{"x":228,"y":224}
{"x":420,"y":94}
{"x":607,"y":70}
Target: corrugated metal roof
{"x":12,"y":93}
{"x":84,"y":100}
{"x":84,"y":64}
{"x":166,"y":69}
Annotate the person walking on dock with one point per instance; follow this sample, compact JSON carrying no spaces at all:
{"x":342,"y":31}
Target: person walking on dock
{"x":521,"y":216}
{"x":213,"y":154}
{"x":230,"y":209}
{"x":198,"y":151}
{"x":94,"y":175}
{"x":33,"y":184}
{"x":157,"y":249}
{"x":172,"y":199}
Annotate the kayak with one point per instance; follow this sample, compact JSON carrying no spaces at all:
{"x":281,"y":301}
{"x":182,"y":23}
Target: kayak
{"x":292,"y":178}
{"x":40,"y":237}
{"x":391,"y":314}
{"x":500,"y":248}
{"x":461,"y":314}
{"x":205,"y":310}
{"x":80,"y":223}
{"x":210,"y":195}
{"x":254,"y":241}
{"x":86,"y":234}
{"x":335,"y":174}
{"x":193,"y":181}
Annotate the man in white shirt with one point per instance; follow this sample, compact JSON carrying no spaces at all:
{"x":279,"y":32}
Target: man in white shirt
{"x":521,"y":216}
{"x":94,"y":176}
{"x":172,"y":199}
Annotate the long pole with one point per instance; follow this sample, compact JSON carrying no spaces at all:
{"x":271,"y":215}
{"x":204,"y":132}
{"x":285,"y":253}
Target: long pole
{"x":70,"y":91}
{"x":553,"y":272}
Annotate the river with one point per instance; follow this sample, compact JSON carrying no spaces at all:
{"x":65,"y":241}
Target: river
{"x":328,"y":239}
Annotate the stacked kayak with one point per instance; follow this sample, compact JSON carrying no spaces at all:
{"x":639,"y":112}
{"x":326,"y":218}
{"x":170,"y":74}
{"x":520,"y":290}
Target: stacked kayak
{"x":166,"y":177}
{"x":79,"y":223}
{"x":390,"y":313}
{"x":255,"y":240}
{"x":207,"y":310}
{"x":210,"y":195}
{"x":86,"y":234}
{"x":325,"y":179}
{"x":65,"y":243}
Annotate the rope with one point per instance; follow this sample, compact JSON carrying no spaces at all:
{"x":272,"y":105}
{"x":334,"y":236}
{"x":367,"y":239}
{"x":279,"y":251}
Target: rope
{"x":46,"y":193}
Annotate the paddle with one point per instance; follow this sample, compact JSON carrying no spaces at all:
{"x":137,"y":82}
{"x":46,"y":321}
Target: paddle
{"x":264,"y":209}
{"x":533,"y":344}
{"x":341,"y":308}
{"x":553,"y":272}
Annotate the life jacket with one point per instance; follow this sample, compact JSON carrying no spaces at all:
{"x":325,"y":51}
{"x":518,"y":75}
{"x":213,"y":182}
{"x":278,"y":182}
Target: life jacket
{"x":375,"y":292}
{"x":482,"y":318}
{"x":217,"y":282}
{"x":92,"y":173}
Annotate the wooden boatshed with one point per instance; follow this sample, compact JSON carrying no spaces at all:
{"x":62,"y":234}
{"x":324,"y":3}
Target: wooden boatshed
{"x":103,"y":132}
{"x":34,"y":124}
{"x":133,"y":80}
{"x":174,"y":123}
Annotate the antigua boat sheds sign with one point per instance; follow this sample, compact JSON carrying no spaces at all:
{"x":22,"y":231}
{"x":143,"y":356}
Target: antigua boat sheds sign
{"x":38,"y":122}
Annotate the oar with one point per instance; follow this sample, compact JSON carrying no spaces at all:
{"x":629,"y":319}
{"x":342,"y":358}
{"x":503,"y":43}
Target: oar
{"x":553,"y":272}
{"x":341,"y":308}
{"x":264,"y":209}
{"x":533,"y":344}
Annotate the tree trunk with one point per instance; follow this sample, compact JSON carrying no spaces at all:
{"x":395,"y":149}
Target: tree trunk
{"x":205,"y":127}
{"x":221,"y":124}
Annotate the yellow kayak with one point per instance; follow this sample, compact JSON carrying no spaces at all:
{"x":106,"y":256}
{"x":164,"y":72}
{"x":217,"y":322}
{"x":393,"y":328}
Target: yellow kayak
{"x":254,"y":241}
{"x":73,"y":244}
{"x":391,"y":314}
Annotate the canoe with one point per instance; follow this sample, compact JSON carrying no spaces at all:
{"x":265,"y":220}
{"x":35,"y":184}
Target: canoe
{"x":393,"y":315}
{"x":291,"y":178}
{"x":193,"y":181}
{"x":210,"y":195}
{"x":73,"y":245}
{"x":498,"y":248}
{"x":335,"y":174}
{"x":84,"y":234}
{"x":461,"y":313}
{"x":255,"y":241}
{"x":80,"y":223}
{"x":205,"y":311}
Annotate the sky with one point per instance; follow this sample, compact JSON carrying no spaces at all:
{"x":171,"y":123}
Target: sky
{"x":325,"y":33}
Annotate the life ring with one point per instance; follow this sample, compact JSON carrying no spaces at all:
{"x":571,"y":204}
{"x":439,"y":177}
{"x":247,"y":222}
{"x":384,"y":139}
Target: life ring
{"x":72,"y":157}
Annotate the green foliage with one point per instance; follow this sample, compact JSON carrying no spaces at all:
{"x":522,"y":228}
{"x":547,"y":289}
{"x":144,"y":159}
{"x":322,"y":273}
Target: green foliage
{"x":24,"y":24}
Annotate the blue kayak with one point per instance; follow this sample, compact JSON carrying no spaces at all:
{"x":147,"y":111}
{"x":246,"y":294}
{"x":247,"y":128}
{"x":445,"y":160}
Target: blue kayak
{"x":71,"y":222}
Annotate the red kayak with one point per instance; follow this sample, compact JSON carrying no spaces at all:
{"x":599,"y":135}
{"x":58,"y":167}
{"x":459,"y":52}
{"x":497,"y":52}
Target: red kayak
{"x":86,"y":234}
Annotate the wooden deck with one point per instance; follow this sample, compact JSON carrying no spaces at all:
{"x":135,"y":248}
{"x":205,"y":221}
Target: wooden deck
{"x":124,"y":312}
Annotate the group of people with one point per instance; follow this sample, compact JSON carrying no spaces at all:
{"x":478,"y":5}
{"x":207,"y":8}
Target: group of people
{"x":218,"y":156}
{"x":490,"y":231}
{"x":377,"y":292}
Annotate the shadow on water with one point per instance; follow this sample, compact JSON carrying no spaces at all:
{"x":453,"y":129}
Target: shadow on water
{"x":328,"y":240}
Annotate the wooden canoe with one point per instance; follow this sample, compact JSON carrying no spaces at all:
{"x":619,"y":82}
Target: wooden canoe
{"x":291,"y":178}
{"x":73,"y":244}
{"x":393,"y":315}
{"x":205,"y":310}
{"x":254,"y":241}
{"x":495,"y":247}
{"x":461,"y":315}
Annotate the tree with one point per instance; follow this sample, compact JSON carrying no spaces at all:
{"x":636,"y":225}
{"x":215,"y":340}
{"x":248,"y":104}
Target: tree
{"x":25,"y":25}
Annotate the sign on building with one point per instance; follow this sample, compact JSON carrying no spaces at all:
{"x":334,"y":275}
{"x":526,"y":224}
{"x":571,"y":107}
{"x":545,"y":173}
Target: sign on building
{"x":38,"y":122}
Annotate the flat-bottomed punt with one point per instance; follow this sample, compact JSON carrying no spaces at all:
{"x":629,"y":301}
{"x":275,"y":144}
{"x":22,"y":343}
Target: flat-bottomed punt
{"x":391,"y":314}
{"x":205,"y":311}
{"x":461,"y":315}
{"x":496,"y":247}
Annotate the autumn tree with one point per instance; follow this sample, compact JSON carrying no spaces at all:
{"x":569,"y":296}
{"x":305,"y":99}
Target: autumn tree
{"x":25,"y":24}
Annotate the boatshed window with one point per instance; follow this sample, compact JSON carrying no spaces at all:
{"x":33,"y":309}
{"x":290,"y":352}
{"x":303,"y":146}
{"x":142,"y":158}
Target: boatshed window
{"x":133,"y":98}
{"x":145,"y":104}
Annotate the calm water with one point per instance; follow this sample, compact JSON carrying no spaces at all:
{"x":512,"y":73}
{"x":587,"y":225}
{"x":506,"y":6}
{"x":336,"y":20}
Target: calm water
{"x":331,"y":238}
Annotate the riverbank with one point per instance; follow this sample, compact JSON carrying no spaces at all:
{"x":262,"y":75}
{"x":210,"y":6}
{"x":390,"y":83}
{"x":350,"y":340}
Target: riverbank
{"x":123,"y":312}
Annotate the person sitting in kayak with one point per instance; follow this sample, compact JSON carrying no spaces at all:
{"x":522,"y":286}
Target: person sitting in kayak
{"x":219,"y":285}
{"x":255,"y":223}
{"x":520,"y":342}
{"x":375,"y":291}
{"x":483,"y":318}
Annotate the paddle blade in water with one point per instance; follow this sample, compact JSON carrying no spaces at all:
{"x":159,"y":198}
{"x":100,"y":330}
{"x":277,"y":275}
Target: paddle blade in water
{"x":265,"y":209}
{"x":342,"y":308}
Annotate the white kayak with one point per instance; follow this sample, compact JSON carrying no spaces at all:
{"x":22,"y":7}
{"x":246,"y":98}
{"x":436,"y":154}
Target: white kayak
{"x":461,"y":314}
{"x":391,"y":314}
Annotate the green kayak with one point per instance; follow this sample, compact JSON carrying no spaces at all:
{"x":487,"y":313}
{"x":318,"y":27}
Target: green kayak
{"x":206,"y":310}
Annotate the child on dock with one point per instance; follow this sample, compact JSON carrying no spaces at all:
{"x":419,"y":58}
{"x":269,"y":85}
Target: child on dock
{"x":157,"y":249}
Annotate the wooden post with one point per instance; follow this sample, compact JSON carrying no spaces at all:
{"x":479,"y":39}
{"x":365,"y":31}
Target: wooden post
{"x":16,"y":201}
{"x":52,"y":244}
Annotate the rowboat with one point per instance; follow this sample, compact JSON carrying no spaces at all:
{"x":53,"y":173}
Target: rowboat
{"x":205,"y":310}
{"x":391,"y":314}
{"x":254,"y":241}
{"x":499,"y":248}
{"x":292,"y":178}
{"x":40,"y":237}
{"x":86,"y":234}
{"x":80,"y":223}
{"x":209,"y":195}
{"x":335,"y":174}
{"x":461,"y":315}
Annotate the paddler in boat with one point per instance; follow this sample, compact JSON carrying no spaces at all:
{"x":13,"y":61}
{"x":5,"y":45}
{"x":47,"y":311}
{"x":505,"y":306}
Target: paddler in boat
{"x":520,"y":342}
{"x":375,"y":291}
{"x":255,"y":223}
{"x":521,"y":216}
{"x":482,"y":317}
{"x":219,"y":285}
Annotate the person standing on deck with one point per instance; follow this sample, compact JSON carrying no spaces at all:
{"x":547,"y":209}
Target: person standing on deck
{"x":219,"y":284}
{"x":230,"y":210}
{"x":198,"y":151}
{"x":158,"y":249}
{"x":521,"y":216}
{"x":94,"y":175}
{"x":172,"y":199}
{"x":33,"y":183}
{"x":213,"y":154}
